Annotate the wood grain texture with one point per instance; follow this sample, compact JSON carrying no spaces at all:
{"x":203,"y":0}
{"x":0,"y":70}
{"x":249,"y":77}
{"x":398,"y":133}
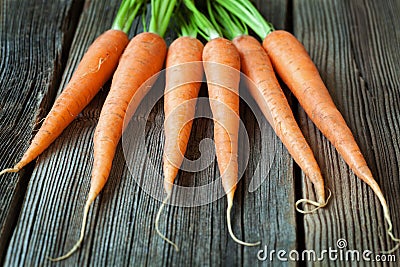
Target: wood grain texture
{"x":120,"y":229}
{"x":34,"y":41}
{"x":355,"y":45}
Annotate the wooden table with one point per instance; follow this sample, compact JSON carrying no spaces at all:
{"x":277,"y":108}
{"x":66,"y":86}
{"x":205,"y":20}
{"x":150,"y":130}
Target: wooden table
{"x":355,"y":45}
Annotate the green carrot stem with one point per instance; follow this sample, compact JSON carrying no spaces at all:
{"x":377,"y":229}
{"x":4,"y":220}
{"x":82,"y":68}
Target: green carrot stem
{"x":248,"y":13}
{"x":130,"y":18}
{"x":144,"y":20}
{"x":161,"y":12}
{"x":204,"y":27}
{"x":126,"y":14}
{"x":187,"y":27}
{"x":231,"y":25}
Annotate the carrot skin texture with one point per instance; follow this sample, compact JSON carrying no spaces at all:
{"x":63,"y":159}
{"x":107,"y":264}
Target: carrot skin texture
{"x":223,"y":76}
{"x":143,"y":57}
{"x":183,"y":83}
{"x":269,"y":96}
{"x":94,"y":70}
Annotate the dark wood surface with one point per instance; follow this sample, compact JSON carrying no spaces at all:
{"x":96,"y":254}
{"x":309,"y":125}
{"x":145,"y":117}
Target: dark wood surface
{"x":356,"y":47}
{"x":357,"y":52}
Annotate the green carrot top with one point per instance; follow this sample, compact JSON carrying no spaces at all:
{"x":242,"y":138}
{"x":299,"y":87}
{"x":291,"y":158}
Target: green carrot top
{"x":126,"y":14}
{"x":248,"y":13}
{"x":161,"y":12}
{"x":184,"y":24}
{"x":205,"y":27}
{"x":230,"y":24}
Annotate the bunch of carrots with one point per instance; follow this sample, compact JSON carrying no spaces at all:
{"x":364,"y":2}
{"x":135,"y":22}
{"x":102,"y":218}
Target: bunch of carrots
{"x":229,"y":50}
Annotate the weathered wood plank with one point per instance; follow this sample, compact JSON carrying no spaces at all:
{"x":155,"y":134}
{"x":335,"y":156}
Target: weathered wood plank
{"x":355,"y":45}
{"x":120,"y":229}
{"x":34,"y":39}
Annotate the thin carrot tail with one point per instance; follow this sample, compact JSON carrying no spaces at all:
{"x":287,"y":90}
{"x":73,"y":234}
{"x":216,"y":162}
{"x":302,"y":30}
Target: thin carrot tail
{"x":320,"y":204}
{"x":228,"y":220}
{"x":157,"y":221}
{"x":89,"y":202}
{"x":390,"y":233}
{"x":14,"y":169}
{"x":364,"y":173}
{"x":389,"y":230}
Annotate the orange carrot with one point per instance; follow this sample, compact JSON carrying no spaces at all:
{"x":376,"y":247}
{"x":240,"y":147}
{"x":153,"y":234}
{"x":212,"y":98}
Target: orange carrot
{"x":94,"y":70}
{"x":179,"y":97}
{"x":274,"y":105}
{"x":184,"y":72}
{"x":222,"y":69}
{"x":223,"y":90}
{"x":293,"y":64}
{"x":143,"y":57}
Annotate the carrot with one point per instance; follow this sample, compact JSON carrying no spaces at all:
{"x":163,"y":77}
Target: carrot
{"x":224,"y":102}
{"x":95,"y":68}
{"x":93,"y":71}
{"x":184,"y":73}
{"x":179,"y":107}
{"x":293,"y":64}
{"x":180,"y":91}
{"x":271,"y":100}
{"x":178,"y":102}
{"x":221,"y":62}
{"x":143,"y":57}
{"x":269,"y":96}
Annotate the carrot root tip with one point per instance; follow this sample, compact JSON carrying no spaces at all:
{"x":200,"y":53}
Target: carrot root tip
{"x":389,"y":231}
{"x":228,"y":218}
{"x":395,"y":247}
{"x":157,"y":223}
{"x":318,"y":205}
{"x":9,"y":170}
{"x":79,"y":242}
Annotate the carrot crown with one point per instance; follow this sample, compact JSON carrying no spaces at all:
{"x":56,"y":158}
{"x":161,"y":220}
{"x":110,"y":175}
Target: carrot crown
{"x":248,"y":13}
{"x":126,"y":14}
{"x":161,"y":12}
